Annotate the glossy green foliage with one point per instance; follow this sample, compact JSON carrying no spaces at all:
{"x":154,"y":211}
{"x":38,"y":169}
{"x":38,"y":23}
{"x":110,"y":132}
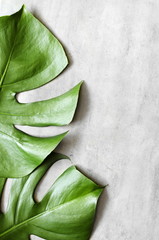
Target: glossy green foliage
{"x":30,"y":57}
{"x":65,"y":213}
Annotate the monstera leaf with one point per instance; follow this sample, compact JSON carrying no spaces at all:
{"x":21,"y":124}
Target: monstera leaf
{"x":30,"y":57}
{"x":65,"y":213}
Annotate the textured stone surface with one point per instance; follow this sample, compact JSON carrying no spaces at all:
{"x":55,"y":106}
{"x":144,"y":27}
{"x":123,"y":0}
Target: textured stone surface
{"x":114,"y":47}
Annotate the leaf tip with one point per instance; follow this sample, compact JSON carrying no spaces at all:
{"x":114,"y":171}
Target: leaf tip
{"x":65,"y":133}
{"x":80,"y":84}
{"x":23,"y":8}
{"x":76,"y":88}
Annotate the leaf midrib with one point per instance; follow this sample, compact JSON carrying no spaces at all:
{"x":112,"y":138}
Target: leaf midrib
{"x":20,"y":115}
{"x":7,"y":65}
{"x":39,"y":215}
{"x":10,"y":55}
{"x":8,"y":62}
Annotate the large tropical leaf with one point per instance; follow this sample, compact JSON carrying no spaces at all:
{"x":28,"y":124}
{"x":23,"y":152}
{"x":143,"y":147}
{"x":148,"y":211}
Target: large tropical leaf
{"x":30,"y":56}
{"x":65,"y":213}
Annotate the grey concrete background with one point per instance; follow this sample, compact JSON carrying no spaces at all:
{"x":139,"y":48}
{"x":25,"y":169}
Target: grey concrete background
{"x":113,"y":45}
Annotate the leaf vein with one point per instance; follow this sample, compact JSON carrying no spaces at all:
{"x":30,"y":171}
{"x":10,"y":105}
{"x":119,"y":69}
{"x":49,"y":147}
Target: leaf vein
{"x":39,"y":215}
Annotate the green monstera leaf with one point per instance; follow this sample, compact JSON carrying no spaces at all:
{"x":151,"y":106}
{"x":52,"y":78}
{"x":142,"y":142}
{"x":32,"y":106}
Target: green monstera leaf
{"x":65,"y":213}
{"x":30,"y":57}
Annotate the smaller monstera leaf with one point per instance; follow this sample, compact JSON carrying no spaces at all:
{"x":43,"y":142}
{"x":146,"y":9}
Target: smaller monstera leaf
{"x":30,"y":57}
{"x":65,"y":213}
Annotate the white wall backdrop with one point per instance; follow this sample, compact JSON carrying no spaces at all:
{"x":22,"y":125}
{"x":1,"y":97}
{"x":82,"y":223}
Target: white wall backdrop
{"x":113,"y":45}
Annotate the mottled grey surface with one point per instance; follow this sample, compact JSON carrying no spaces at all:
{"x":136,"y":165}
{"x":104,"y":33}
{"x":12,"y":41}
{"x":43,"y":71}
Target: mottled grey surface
{"x":114,"y":47}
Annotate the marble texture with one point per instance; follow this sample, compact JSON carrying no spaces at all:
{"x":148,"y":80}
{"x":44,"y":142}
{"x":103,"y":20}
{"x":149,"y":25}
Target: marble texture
{"x":113,"y":45}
